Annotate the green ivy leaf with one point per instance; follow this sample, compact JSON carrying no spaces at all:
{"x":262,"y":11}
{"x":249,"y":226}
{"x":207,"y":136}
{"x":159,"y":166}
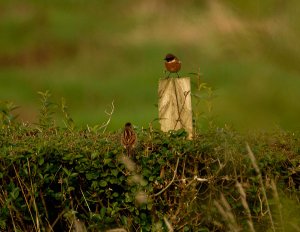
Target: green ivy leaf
{"x":115,"y":194}
{"x":67,"y":171}
{"x":103,"y":183}
{"x":74,"y":174}
{"x":94,"y":155}
{"x":107,"y":160}
{"x":92,"y":176}
{"x":41,"y":161}
{"x":102,"y":212}
{"x":70,"y":189}
{"x":115,"y":172}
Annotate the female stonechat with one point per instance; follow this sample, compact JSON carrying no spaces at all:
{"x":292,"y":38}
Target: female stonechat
{"x":128,"y":138}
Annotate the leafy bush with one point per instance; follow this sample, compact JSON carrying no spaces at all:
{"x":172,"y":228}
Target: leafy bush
{"x":54,"y":178}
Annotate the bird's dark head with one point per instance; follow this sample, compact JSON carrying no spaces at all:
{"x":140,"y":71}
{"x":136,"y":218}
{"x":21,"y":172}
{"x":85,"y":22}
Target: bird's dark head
{"x":169,"y":57}
{"x":128,"y":125}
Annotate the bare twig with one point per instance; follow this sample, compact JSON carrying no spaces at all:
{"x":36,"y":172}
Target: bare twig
{"x":49,"y":228}
{"x":44,"y":204}
{"x":201,"y":179}
{"x":57,"y":219}
{"x":104,"y":125}
{"x":175,"y":172}
{"x":183,"y":169}
{"x":117,"y":230}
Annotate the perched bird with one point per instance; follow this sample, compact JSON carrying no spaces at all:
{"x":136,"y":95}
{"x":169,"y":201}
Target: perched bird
{"x":173,"y":64}
{"x":128,"y":138}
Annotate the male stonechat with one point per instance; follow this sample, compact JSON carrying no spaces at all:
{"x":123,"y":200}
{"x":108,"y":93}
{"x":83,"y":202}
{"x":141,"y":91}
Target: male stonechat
{"x":128,"y":138}
{"x":173,"y":64}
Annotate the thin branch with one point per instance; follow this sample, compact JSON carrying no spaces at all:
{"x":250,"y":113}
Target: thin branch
{"x":44,"y":204}
{"x":104,"y":125}
{"x":57,"y":219}
{"x":175,"y":172}
{"x":183,"y":169}
{"x":49,"y":228}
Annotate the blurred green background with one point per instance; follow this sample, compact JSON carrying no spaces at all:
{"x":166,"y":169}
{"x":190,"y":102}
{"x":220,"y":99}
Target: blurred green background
{"x":95,"y":52}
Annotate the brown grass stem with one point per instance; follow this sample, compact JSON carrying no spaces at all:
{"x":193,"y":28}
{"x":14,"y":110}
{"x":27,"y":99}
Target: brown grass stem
{"x":25,"y":198}
{"x":33,"y":199}
{"x":225,"y":210}
{"x":85,"y":200}
{"x":278,"y":203}
{"x":254,"y":163}
{"x":245,"y":205}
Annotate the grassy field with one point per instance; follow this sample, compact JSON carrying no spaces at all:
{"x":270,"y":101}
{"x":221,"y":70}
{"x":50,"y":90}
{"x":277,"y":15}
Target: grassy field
{"x":95,"y":53}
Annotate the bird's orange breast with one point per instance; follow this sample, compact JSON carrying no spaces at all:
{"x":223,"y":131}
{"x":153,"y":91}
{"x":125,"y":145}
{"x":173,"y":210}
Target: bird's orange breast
{"x":173,"y":66}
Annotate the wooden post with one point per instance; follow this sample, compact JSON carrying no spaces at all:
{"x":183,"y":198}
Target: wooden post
{"x":175,"y":105}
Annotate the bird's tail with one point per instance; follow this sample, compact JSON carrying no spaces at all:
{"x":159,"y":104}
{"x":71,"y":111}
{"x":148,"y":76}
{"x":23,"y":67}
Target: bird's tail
{"x":129,"y":151}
